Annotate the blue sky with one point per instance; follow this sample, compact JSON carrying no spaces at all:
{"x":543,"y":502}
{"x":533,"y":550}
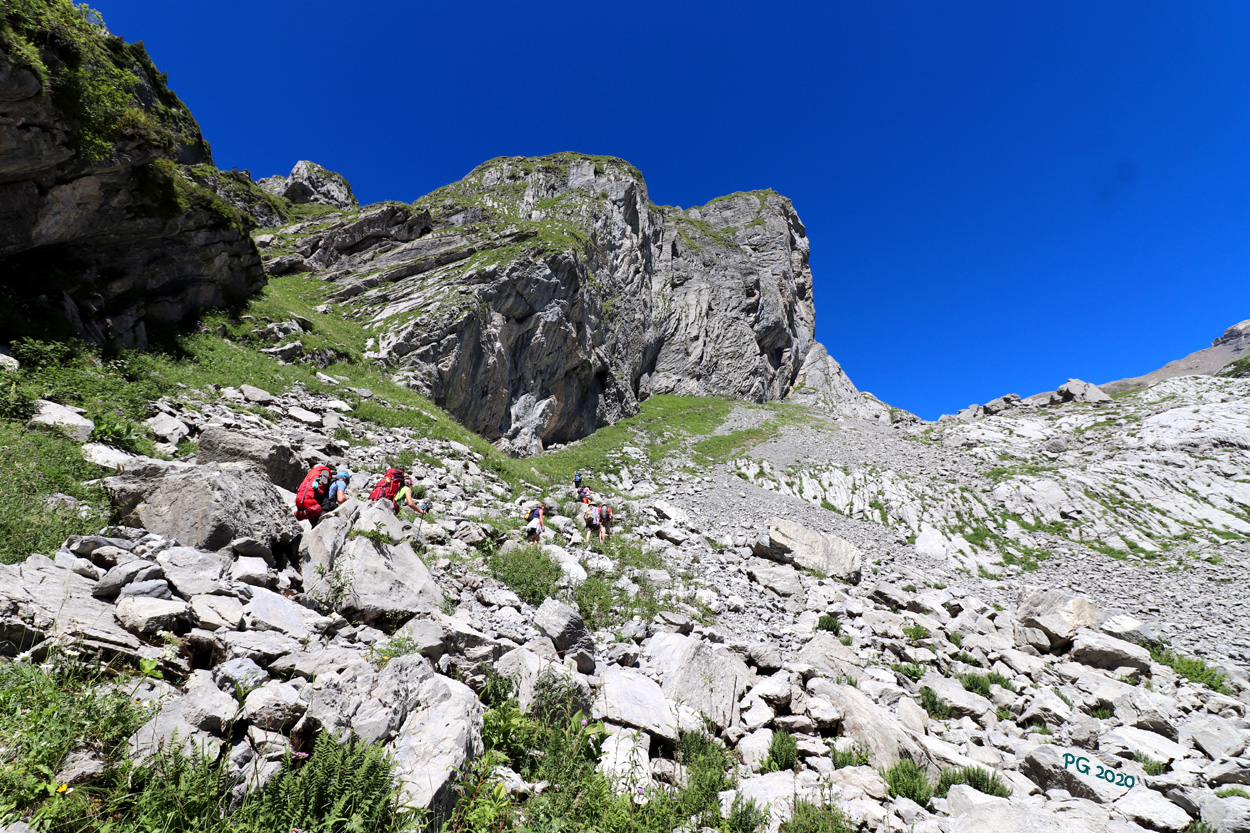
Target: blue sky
{"x":999,"y":196}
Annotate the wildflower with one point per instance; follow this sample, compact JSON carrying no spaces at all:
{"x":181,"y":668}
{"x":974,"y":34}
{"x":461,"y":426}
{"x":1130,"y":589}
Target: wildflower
{"x":299,"y":756}
{"x":583,"y":721}
{"x":63,"y":788}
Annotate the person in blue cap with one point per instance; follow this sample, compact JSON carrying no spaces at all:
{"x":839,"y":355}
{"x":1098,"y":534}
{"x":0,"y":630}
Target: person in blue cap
{"x":338,"y":489}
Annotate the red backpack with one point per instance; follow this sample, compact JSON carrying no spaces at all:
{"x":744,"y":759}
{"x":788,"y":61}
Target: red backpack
{"x":306,"y":496}
{"x":388,"y":486}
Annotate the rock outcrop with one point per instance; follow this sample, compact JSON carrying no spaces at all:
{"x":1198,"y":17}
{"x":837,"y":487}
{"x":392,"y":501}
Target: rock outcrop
{"x":1224,"y":350}
{"x":101,"y":234}
{"x":311,"y":183}
{"x":539,"y":299}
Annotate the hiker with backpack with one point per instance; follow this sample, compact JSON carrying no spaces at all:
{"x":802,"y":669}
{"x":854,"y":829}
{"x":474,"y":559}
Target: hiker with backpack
{"x":593,"y":519}
{"x":577,"y":483}
{"x":313,"y":495}
{"x":583,"y":494}
{"x":404,"y":498}
{"x":606,"y":519}
{"x":338,"y":489}
{"x":535,"y":525}
{"x":391,"y":484}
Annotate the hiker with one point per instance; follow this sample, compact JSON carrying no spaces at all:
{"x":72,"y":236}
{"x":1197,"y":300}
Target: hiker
{"x":338,"y":489}
{"x":535,"y":525}
{"x":404,"y":498}
{"x":592,"y":518}
{"x":577,"y":482}
{"x":583,"y":494}
{"x":606,"y":519}
{"x":313,"y":494}
{"x":388,"y":487}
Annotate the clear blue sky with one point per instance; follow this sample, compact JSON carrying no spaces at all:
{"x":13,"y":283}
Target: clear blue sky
{"x":998,"y":195}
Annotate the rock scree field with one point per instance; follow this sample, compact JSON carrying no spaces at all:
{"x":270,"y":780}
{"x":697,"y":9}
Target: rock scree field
{"x":814,"y":612}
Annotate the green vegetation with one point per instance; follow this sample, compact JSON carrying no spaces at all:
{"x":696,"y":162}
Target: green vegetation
{"x":909,"y":780}
{"x":857,"y":755}
{"x":1192,"y":669}
{"x":913,"y":671}
{"x":93,"y":77}
{"x":829,"y":622}
{"x":1149,"y":764}
{"x":1236,"y":369}
{"x":553,"y":742}
{"x":1232,"y":792}
{"x":529,"y":571}
{"x":916,"y":632}
{"x":956,"y":639}
{"x":979,"y":779}
{"x":605,"y":605}
{"x":980,"y":683}
{"x":783,"y":753}
{"x":937,"y":708}
{"x":810,"y":817}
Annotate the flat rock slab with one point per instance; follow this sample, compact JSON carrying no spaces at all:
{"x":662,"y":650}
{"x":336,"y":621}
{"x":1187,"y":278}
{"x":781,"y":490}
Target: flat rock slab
{"x":821,"y":552}
{"x":707,"y":678}
{"x":630,"y":698}
{"x":61,"y":420}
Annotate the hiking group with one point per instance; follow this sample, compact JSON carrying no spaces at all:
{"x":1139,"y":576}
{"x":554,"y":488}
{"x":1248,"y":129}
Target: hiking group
{"x":322,"y":491}
{"x":597,"y":515}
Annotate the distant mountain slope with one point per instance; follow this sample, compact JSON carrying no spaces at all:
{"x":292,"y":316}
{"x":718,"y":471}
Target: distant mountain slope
{"x":1226,"y":349}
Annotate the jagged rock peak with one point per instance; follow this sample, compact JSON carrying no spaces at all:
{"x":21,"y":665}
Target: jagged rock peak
{"x":311,"y":183}
{"x":538,"y":299}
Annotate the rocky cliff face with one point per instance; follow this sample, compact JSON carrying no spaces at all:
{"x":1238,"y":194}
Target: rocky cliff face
{"x":539,"y":299}
{"x":100,"y":231}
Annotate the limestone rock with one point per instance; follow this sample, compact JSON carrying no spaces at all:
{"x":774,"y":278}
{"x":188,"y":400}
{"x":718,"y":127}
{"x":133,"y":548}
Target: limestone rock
{"x":311,"y":183}
{"x":792,"y":543}
{"x":223,"y":445}
{"x":62,"y":420}
{"x":205,"y":507}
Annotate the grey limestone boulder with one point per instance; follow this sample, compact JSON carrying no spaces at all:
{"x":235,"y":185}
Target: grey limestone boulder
{"x":225,"y":445}
{"x":627,"y":697}
{"x":61,"y":419}
{"x":1074,"y":390}
{"x":1096,"y":649}
{"x":205,"y":506}
{"x":793,"y":543}
{"x":194,"y":572}
{"x":1057,"y":614}
{"x":274,"y":707}
{"x":566,"y":629}
{"x":147,"y":616}
{"x":710,"y":679}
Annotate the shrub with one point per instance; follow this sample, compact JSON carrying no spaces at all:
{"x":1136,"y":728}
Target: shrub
{"x":810,"y":817}
{"x":994,"y":678}
{"x":783,"y":752}
{"x":857,"y":755}
{"x":907,"y":779}
{"x":916,"y":632}
{"x":975,"y":683}
{"x":913,"y":671}
{"x":829,"y":622}
{"x":529,"y":571}
{"x":955,"y":639}
{"x":979,"y":779}
{"x":937,"y":708}
{"x":745,"y":817}
{"x":1149,"y":764}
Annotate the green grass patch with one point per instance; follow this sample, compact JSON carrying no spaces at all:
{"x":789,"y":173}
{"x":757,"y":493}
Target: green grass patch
{"x":1192,"y":669}
{"x":981,"y":780}
{"x":937,"y":708}
{"x":529,"y":571}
